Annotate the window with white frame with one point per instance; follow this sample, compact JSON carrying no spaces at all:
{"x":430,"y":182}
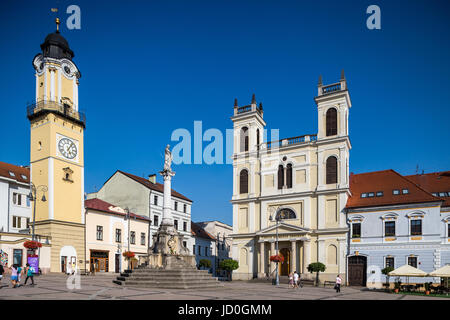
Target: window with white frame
{"x":142,"y":239}
{"x":389,"y":228}
{"x":416,"y":227}
{"x":17,"y":222}
{"x":412,"y":261}
{"x":389,"y":262}
{"x":100,"y":233}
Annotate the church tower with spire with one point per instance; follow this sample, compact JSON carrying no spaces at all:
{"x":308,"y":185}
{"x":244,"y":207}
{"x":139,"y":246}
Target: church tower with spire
{"x":56,"y":153}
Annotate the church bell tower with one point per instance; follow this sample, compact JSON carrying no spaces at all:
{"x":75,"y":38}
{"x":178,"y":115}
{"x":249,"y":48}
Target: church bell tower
{"x":56,"y":153}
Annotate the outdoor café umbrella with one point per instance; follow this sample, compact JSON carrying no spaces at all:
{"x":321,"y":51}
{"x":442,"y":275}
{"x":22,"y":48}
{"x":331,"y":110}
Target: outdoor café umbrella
{"x":408,"y":271}
{"x":443,"y":272}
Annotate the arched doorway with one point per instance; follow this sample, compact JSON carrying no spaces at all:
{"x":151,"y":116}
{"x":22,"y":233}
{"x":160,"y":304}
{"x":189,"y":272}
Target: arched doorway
{"x":68,"y":258}
{"x":285,"y":266}
{"x":357,"y":270}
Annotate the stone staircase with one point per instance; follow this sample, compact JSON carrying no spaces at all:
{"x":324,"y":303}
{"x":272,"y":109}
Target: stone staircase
{"x":175,"y":278}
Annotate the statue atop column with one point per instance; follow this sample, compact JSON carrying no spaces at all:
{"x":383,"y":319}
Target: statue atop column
{"x":167,"y":159}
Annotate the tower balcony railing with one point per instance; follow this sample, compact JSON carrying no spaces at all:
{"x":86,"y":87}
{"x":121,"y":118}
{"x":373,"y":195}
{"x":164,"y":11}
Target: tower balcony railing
{"x":42,"y":106}
{"x":331,"y":88}
{"x":248,"y":108}
{"x":290,"y":141}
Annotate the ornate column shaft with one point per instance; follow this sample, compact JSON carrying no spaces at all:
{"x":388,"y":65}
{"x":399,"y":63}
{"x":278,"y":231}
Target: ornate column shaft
{"x":306,"y":255}
{"x":167,"y":202}
{"x":262,"y":262}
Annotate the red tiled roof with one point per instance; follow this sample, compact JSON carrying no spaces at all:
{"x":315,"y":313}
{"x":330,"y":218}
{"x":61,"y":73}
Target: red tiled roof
{"x":100,"y":205}
{"x":385,"y":181}
{"x":434,"y":182}
{"x":198,"y":231}
{"x":154,"y":186}
{"x":6,"y":168}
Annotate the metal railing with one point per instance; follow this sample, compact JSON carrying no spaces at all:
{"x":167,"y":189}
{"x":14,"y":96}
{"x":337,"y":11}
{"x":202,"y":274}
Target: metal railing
{"x":66,"y":110}
{"x":248,"y":108}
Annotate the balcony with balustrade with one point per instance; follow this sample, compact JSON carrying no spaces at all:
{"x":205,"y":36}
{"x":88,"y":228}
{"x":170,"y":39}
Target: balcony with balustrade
{"x":42,"y":107}
{"x":289,"y":141}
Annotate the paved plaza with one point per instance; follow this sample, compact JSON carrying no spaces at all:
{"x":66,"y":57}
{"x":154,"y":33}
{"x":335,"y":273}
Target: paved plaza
{"x":100,"y":287}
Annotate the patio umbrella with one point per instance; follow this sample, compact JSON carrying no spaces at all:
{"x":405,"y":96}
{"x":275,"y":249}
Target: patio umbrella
{"x":408,"y":271}
{"x":443,"y":272}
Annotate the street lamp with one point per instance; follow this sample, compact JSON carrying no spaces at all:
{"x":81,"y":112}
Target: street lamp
{"x":33,"y":197}
{"x":277,"y":219}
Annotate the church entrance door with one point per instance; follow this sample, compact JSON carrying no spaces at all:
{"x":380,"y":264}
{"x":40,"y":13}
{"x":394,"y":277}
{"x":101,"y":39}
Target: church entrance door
{"x":285,"y":266}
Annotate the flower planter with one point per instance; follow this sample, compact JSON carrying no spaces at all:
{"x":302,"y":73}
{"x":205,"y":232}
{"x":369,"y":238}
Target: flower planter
{"x":396,"y":290}
{"x":427,"y":292}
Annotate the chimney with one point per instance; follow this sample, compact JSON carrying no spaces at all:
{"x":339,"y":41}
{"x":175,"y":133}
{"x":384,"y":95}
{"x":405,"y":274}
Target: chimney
{"x":152,"y":178}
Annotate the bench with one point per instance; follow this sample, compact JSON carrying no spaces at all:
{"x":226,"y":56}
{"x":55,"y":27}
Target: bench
{"x":332,"y":283}
{"x":307,"y":282}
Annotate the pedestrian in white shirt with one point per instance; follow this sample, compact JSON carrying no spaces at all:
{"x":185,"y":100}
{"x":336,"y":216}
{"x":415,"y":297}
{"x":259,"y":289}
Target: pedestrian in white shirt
{"x":337,"y":286}
{"x":295,"y":279}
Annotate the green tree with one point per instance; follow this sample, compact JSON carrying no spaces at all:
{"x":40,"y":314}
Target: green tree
{"x":316,"y":267}
{"x":204,"y":263}
{"x":229,"y":265}
{"x":386,"y":271}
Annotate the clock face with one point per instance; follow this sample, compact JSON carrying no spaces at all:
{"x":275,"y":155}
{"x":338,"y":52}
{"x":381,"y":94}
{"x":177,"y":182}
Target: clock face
{"x":67,"y":148}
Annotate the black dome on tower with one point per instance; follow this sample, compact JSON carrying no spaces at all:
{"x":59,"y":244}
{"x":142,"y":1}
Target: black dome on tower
{"x":56,"y":46}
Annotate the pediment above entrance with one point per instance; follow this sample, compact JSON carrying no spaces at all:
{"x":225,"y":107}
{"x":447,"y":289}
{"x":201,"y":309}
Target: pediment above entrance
{"x":283,"y":228}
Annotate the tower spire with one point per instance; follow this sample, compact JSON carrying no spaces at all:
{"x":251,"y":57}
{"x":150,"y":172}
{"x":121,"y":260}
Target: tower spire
{"x":320,"y":80}
{"x":253,"y":99}
{"x":342,"y":75}
{"x":235,"y":102}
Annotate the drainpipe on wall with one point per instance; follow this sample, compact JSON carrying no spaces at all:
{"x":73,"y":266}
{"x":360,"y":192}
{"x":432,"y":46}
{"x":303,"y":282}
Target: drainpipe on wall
{"x":85,"y":253}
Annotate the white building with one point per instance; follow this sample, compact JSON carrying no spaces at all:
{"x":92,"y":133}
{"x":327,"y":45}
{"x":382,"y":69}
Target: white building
{"x":222,"y":244}
{"x":15,"y":207}
{"x":302,"y":181}
{"x":203,"y":247}
{"x":145,"y":196}
{"x":395,"y":221}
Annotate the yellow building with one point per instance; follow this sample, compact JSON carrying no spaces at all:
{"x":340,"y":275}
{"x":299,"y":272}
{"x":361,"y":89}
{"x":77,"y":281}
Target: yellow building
{"x":56,"y":155}
{"x":303,"y":181}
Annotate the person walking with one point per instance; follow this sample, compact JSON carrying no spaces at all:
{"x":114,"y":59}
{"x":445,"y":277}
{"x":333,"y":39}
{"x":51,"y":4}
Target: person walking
{"x":30,"y":274}
{"x":14,"y":275}
{"x":2,"y":271}
{"x":19,"y":274}
{"x":337,"y":286}
{"x":291,"y":281}
{"x":296,"y":276}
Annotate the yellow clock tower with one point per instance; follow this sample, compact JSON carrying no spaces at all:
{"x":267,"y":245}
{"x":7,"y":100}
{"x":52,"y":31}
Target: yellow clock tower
{"x":56,"y":155}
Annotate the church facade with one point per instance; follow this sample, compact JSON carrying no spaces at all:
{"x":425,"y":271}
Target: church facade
{"x":291,"y":193}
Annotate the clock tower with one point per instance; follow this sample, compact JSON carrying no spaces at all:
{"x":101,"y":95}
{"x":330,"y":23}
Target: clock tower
{"x":56,"y":155}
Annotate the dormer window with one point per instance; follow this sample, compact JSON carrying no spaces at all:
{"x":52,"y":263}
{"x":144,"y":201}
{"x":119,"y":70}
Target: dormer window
{"x":363,"y":195}
{"x":396,"y":191}
{"x":24,"y":177}
{"x":379,"y":193}
{"x":12,"y":174}
{"x":370,"y":194}
{"x":405,"y":191}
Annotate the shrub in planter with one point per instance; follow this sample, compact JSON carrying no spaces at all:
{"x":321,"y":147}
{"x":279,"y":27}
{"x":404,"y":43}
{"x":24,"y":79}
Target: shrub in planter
{"x":386,"y":271}
{"x":229,"y":265}
{"x":427,"y":288}
{"x":204,"y":263}
{"x":316,"y":267}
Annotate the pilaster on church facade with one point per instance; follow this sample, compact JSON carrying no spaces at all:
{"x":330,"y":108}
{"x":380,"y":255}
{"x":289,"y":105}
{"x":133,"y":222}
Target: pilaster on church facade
{"x":302,"y":182}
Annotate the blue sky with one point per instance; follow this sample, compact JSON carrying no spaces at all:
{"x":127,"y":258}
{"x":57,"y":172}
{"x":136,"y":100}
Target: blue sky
{"x":150,"y":67}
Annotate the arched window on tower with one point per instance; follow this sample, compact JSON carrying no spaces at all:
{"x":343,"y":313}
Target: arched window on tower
{"x":331,"y":122}
{"x":244,"y":139}
{"x":289,"y":175}
{"x":331,"y":169}
{"x":280,"y":177}
{"x":243,"y":181}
